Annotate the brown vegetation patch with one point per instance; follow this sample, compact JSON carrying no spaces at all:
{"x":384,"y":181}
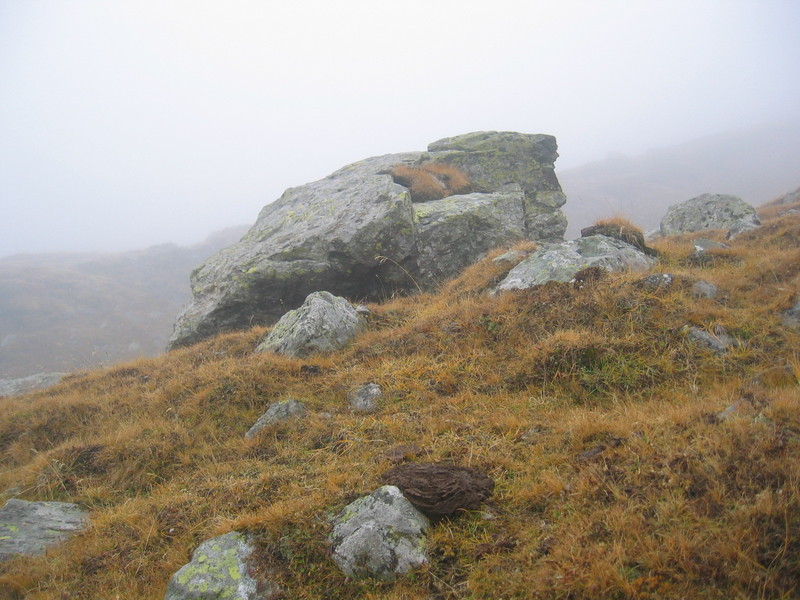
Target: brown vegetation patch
{"x":432,"y":181}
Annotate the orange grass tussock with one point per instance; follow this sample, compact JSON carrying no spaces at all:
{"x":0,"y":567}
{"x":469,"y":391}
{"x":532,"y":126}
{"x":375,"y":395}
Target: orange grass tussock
{"x":629,"y":460}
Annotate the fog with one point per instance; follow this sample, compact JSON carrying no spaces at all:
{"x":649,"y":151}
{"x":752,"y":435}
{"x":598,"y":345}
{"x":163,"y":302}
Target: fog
{"x":126,"y":124}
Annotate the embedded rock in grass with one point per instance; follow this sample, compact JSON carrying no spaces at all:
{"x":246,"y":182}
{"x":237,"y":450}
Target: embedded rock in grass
{"x":277,"y":412}
{"x":719,"y":341}
{"x":709,"y":211}
{"x":380,"y":536}
{"x":219,"y":569}
{"x":560,"y":262}
{"x":365,"y":398}
{"x":324,"y":323}
{"x":791,"y":317}
{"x":357,"y":233}
{"x":440,"y":490}
{"x":703,"y":289}
{"x":30,"y":528}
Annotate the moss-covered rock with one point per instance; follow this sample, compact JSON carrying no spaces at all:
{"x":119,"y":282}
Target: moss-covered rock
{"x":560,"y":262}
{"x":219,"y":570}
{"x":379,"y":536}
{"x":30,"y":528}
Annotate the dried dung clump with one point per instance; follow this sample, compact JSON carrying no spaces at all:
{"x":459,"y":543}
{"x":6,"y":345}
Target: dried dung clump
{"x":439,"y":490}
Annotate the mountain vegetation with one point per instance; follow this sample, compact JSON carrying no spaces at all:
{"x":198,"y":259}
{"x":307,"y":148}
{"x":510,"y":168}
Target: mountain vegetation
{"x":629,"y":460}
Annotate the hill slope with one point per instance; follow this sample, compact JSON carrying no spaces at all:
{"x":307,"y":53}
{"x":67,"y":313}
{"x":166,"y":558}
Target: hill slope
{"x":61,"y":312}
{"x":756,"y":164}
{"x":621,"y":471}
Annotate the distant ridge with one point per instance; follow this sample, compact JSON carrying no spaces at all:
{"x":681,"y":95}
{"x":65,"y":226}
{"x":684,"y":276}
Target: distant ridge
{"x":757,"y":164}
{"x":68,"y":311}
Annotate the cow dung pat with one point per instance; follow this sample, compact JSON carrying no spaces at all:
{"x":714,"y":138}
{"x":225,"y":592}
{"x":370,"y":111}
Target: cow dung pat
{"x":439,"y":490}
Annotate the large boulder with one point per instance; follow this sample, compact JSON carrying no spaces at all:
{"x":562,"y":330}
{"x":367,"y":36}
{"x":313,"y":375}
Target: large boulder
{"x":324,"y":323}
{"x":358,"y":232}
{"x":381,"y":535}
{"x":220,"y":569}
{"x":710,"y":211}
{"x":560,"y":262}
{"x":30,"y":528}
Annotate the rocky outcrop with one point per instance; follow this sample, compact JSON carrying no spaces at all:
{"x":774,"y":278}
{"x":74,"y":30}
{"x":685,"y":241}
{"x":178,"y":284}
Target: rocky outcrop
{"x":380,"y":536}
{"x":710,"y":211}
{"x":219,"y":569}
{"x":359,"y":234}
{"x":323,"y":323}
{"x":30,"y":528}
{"x":440,"y":490}
{"x":560,"y":262}
{"x":277,"y":413}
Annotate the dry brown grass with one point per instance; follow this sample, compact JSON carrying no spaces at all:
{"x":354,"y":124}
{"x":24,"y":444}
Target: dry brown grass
{"x":596,"y":416}
{"x":431,"y":181}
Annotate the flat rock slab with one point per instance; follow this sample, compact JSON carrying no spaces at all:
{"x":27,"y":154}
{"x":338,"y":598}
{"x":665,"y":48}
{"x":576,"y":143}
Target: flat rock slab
{"x":439,"y":490}
{"x":30,"y":528}
{"x":560,"y":262}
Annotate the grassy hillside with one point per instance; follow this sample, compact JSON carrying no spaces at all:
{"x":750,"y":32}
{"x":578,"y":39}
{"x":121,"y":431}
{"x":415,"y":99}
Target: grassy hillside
{"x":599,"y":419}
{"x":61,"y":312}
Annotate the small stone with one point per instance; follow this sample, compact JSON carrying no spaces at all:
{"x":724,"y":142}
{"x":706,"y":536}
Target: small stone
{"x":365,"y":399}
{"x":277,"y":412}
{"x":324,"y":323}
{"x":657,"y":281}
{"x":703,"y":289}
{"x":719,"y":341}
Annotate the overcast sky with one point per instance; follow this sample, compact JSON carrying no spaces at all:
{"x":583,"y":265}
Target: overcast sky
{"x":129,"y":123}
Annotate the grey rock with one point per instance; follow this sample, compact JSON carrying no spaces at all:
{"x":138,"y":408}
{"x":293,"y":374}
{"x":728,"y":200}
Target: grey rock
{"x":277,"y":412}
{"x":742,"y":226}
{"x":708,"y":211}
{"x":219,"y":569}
{"x":511,"y":257}
{"x":30,"y":528}
{"x":703,"y":289}
{"x":719,"y":341}
{"x":23,"y":385}
{"x":704,"y":245}
{"x":324,"y":323}
{"x":456,"y":231}
{"x":380,"y":536}
{"x":365,"y":398}
{"x":791,"y":317}
{"x":657,"y":281}
{"x":357,"y":233}
{"x":560,"y":262}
